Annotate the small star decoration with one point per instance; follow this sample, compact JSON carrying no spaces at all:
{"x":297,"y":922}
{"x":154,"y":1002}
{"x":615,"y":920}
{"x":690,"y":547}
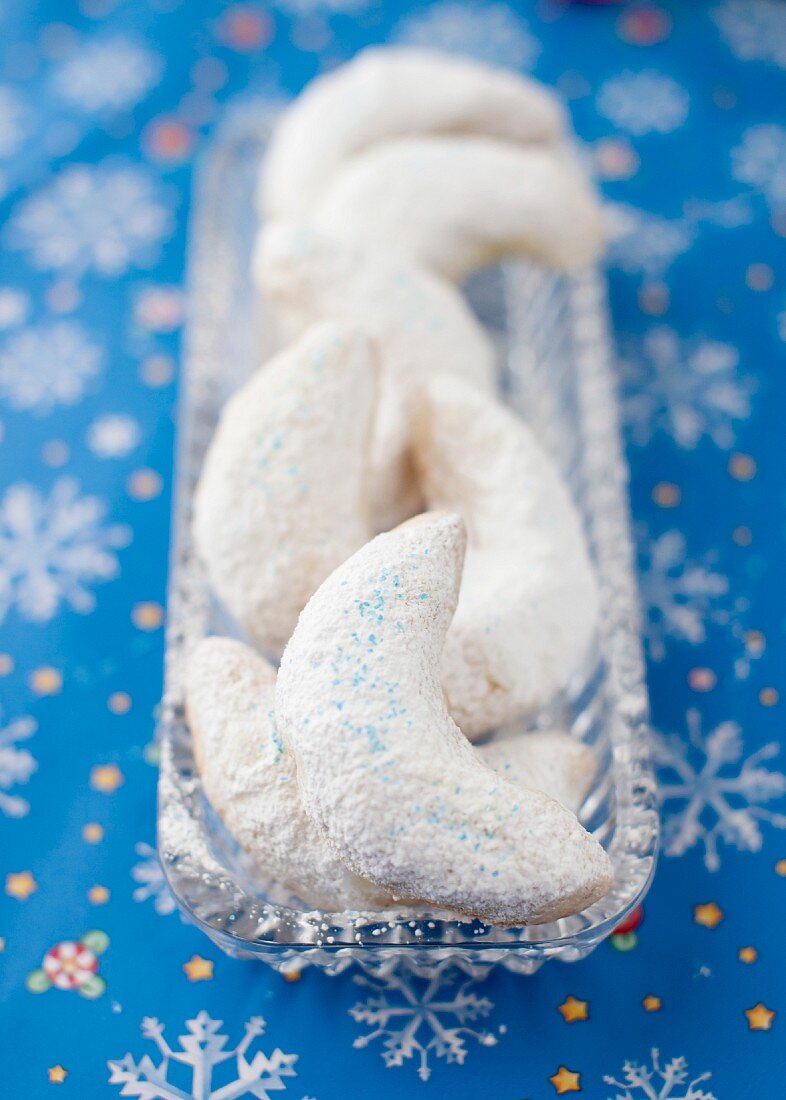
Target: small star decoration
{"x":20,"y":885}
{"x":747,"y":954}
{"x":760,"y":1017}
{"x":198,"y":969}
{"x":57,"y":1075}
{"x":709,"y":915}
{"x":565,"y":1080}
{"x":651,"y":1003}
{"x":572,"y":1009}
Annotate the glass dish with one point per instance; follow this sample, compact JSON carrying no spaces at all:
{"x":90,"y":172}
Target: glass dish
{"x":553,"y":337}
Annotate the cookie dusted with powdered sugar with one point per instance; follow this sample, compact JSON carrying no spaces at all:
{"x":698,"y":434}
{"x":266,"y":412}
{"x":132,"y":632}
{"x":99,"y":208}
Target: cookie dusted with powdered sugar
{"x":249,"y":777}
{"x":416,"y":321}
{"x":456,"y":204}
{"x":385,"y":93}
{"x":528,"y":607}
{"x":547,"y":760}
{"x":282,"y":497}
{"x":383,"y":770}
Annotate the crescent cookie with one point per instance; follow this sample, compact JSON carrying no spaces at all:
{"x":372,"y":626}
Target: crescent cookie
{"x":385,"y":773}
{"x":456,"y":204}
{"x":282,"y":495}
{"x":416,"y":321}
{"x":249,"y":777}
{"x":547,"y":760}
{"x":385,"y":93}
{"x":529,"y":600}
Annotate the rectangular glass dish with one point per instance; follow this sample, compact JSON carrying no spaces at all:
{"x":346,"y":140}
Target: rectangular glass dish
{"x":555,"y":370}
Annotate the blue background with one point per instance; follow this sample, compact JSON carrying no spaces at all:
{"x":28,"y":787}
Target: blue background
{"x":698,"y":143}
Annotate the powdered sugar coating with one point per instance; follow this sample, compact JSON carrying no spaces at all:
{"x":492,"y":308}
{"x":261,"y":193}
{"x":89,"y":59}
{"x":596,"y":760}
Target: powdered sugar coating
{"x":528,"y":607}
{"x":250,"y":777}
{"x":384,"y":93}
{"x":416,"y":321}
{"x":282,"y":495}
{"x":456,"y":204}
{"x":547,"y":760}
{"x":383,"y":770}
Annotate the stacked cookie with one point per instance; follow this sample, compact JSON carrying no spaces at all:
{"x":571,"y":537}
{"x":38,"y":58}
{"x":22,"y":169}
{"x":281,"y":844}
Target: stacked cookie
{"x":349,"y":777}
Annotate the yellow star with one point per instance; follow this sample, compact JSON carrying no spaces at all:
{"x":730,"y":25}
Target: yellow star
{"x":565,"y":1080}
{"x":760,"y":1017}
{"x":198,"y":969}
{"x":709,"y":915}
{"x":147,"y":616}
{"x":92,"y":833}
{"x":572,"y":1010}
{"x":46,"y":681}
{"x":747,"y":954}
{"x":106,"y":778}
{"x":57,"y":1075}
{"x":780,"y":867}
{"x":651,"y":1003}
{"x":2,"y":944}
{"x":292,"y":975}
{"x":20,"y":885}
{"x":98,"y":895}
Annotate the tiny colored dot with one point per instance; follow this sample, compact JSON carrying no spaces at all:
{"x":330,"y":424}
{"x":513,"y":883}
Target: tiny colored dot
{"x":2,"y":944}
{"x":768,"y":697}
{"x":743,"y":536}
{"x":246,"y":29}
{"x":144,"y":484}
{"x":168,"y":140}
{"x":616,"y":159}
{"x":6,"y":664}
{"x":157,"y":370}
{"x":666,"y":494}
{"x":747,"y":955}
{"x":98,"y":895}
{"x":292,"y":975}
{"x":654,"y":299}
{"x":147,"y":616}
{"x":644,"y":26}
{"x":651,"y":1003}
{"x":742,"y":467}
{"x":46,"y":681}
{"x":780,"y":868}
{"x":92,"y":833}
{"x":702,"y":679}
{"x":106,"y":778}
{"x":755,"y":642}
{"x":55,"y":453}
{"x":119,"y":702}
{"x":759,"y":277}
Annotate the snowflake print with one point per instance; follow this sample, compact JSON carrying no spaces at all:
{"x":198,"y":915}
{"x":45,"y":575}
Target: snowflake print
{"x":687,"y":388}
{"x":760,"y":160}
{"x":494,"y":33}
{"x":679,"y":596}
{"x":711,"y":791}
{"x":152,"y":882}
{"x":671,"y":1081}
{"x":52,"y":549}
{"x":411,"y":1016}
{"x":105,"y":218}
{"x":644,"y":243}
{"x":48,"y":365}
{"x":109,"y":75}
{"x":643,"y":103}
{"x":12,"y":129}
{"x":113,"y":435}
{"x":16,"y":765}
{"x":755,"y":30}
{"x":201,"y":1052}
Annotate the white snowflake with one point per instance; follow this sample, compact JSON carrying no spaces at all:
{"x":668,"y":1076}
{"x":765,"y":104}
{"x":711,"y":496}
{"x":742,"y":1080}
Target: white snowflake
{"x":48,"y":365}
{"x":152,"y":883}
{"x":671,"y":1081}
{"x":105,"y":218}
{"x":754,"y":29}
{"x":711,"y":791}
{"x":644,"y":243}
{"x":53,"y":548}
{"x":687,"y":388}
{"x":643,"y":103}
{"x":12,"y":118}
{"x":760,"y":160}
{"x":109,"y":75}
{"x":14,"y":307}
{"x":679,"y":596}
{"x":16,"y":765}
{"x":493,"y":33}
{"x":411,"y":1014}
{"x":113,"y":435}
{"x":201,"y":1052}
